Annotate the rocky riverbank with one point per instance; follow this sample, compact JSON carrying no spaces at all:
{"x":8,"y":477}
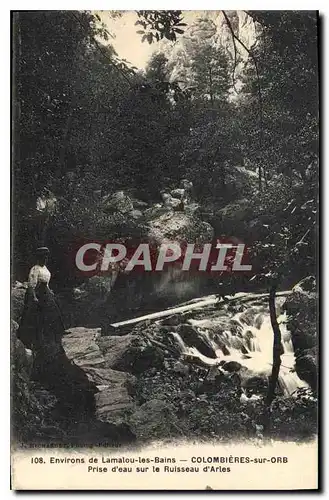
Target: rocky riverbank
{"x":198,"y":371}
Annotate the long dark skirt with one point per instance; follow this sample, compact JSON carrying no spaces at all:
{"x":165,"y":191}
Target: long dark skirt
{"x":41,"y":329}
{"x":41,"y":325}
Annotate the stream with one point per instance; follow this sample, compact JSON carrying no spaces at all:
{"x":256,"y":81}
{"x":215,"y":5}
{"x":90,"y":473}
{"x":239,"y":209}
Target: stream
{"x":239,"y":330}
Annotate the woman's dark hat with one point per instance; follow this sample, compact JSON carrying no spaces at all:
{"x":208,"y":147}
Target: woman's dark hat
{"x":42,"y":250}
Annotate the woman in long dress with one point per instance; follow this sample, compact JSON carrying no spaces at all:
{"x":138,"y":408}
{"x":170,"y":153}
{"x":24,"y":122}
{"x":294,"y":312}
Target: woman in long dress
{"x":41,"y":330}
{"x":41,"y":327}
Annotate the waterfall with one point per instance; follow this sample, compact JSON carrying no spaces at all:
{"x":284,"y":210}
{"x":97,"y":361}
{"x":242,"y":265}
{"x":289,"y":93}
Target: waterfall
{"x":247,"y":339}
{"x":244,"y":337}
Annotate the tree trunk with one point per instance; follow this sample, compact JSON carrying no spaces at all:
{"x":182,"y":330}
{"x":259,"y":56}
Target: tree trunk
{"x":260,"y":178}
{"x":277,"y":350}
{"x":210,"y":87}
{"x":265,"y":177}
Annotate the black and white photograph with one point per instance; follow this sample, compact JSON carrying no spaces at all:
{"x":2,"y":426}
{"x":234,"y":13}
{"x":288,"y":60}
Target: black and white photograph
{"x":164,"y":249}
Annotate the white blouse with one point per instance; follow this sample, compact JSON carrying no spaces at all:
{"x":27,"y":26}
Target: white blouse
{"x":38,"y":274}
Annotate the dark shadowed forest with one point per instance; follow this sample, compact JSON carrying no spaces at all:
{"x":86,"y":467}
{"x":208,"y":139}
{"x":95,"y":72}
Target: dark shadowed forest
{"x":87,"y":124}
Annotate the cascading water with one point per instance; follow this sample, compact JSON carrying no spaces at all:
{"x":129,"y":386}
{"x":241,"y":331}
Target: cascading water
{"x":244,"y":337}
{"x":247,"y":339}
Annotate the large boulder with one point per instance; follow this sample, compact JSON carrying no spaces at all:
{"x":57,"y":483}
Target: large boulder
{"x":233,"y":215}
{"x":170,"y":202}
{"x":301,"y":308}
{"x":193,"y":338}
{"x":32,"y":405}
{"x":113,"y":405}
{"x":180,"y":227}
{"x":21,"y":358}
{"x":81,"y":347}
{"x":236,"y":211}
{"x":306,"y":367}
{"x":178,"y":193}
{"x":130,"y":353}
{"x":117,"y":202}
{"x":113,"y":402}
{"x":17,"y":299}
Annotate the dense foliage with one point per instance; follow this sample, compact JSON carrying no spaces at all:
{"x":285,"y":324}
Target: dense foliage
{"x":87,"y":124}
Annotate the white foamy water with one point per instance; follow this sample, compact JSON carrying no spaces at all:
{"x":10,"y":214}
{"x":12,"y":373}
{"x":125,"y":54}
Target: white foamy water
{"x":247,"y":336}
{"x":251,"y":344}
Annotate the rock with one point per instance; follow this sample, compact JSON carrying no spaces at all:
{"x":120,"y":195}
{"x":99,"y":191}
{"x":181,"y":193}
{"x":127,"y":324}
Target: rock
{"x":139,"y":204}
{"x":155,"y":419}
{"x":146,"y":358}
{"x":107,"y":378}
{"x":193,"y":338}
{"x":301,"y":309}
{"x":113,"y":402}
{"x":186,"y":185}
{"x":237,"y":210}
{"x":192,"y":209}
{"x":155,"y":211}
{"x":18,"y":284}
{"x":117,"y":202}
{"x":170,"y":202}
{"x":181,"y":369}
{"x":178,"y":193}
{"x":180,"y":227}
{"x":130,"y":353}
{"x":80,"y":345}
{"x":306,"y":286}
{"x":14,"y":327}
{"x":230,"y":366}
{"x":115,"y":350}
{"x":17,"y":301}
{"x":31,"y":404}
{"x":84,"y":364}
{"x":136,"y":214}
{"x":113,"y":405}
{"x":258,"y":321}
{"x":236,"y":214}
{"x":21,"y":358}
{"x":306,"y":367}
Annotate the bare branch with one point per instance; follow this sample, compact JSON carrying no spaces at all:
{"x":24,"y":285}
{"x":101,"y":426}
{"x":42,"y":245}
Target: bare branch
{"x":234,"y":47}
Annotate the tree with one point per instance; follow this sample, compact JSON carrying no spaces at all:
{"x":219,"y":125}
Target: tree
{"x":210,"y":74}
{"x":54,"y":110}
{"x":210,"y":151}
{"x":286,"y":52}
